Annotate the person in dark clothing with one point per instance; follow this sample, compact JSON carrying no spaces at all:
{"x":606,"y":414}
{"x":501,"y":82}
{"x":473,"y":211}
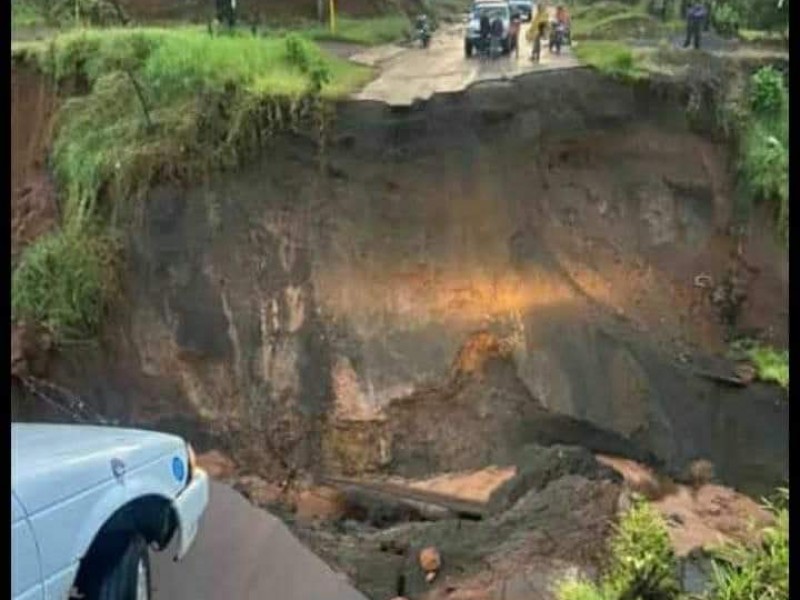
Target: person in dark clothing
{"x":486,"y":27}
{"x":226,"y":12}
{"x":695,"y":17}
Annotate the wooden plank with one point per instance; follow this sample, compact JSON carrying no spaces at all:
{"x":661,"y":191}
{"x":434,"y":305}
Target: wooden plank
{"x":456,"y":506}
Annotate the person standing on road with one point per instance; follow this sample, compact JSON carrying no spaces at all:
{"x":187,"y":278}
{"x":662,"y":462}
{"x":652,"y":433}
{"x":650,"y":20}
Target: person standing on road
{"x":537,"y":28}
{"x":513,"y":33}
{"x":695,"y":17}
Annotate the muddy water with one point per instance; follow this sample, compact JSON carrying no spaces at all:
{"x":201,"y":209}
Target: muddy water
{"x":566,"y":216}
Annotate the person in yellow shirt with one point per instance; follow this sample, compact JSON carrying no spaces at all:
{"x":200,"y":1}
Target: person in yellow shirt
{"x":536,"y":30}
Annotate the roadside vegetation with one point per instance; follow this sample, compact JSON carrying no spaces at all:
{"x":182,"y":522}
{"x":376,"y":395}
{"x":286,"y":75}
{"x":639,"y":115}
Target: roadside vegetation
{"x":612,"y":58}
{"x":745,"y":572}
{"x":771,"y":364}
{"x":764,"y":147}
{"x":162,"y":105}
{"x":642,"y":563}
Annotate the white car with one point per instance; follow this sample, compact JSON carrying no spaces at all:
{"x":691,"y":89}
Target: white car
{"x":87,"y":503}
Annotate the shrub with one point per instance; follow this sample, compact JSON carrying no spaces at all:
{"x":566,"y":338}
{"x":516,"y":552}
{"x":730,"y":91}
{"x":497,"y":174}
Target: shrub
{"x":726,"y":19}
{"x":65,"y":281}
{"x":642,"y":563}
{"x":579,"y":590}
{"x":611,"y":58}
{"x":745,"y":572}
{"x":767,"y":91}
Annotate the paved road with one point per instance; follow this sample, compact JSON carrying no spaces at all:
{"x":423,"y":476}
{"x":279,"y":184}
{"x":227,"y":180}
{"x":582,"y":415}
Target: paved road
{"x":243,"y":553}
{"x":408,"y":74}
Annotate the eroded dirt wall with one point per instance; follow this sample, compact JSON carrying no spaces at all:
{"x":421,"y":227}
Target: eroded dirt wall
{"x":33,"y":206}
{"x":449,"y":277}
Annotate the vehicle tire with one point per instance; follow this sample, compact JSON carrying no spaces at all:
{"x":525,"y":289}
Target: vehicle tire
{"x":468,"y":49}
{"x":122,"y":571}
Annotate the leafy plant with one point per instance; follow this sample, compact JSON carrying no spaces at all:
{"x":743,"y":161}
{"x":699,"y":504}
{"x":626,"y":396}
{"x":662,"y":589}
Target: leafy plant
{"x":65,"y":281}
{"x":726,"y":19}
{"x":745,"y":572}
{"x":642,"y":563}
{"x":767,"y":91}
{"x":611,"y":58}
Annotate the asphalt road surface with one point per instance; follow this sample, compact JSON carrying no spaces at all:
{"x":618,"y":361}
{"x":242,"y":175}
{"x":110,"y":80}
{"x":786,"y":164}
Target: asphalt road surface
{"x":242,"y":553}
{"x":408,"y":74}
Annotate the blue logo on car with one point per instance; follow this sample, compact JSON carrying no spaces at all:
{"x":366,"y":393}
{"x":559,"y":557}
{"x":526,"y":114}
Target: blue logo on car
{"x":177,"y":468}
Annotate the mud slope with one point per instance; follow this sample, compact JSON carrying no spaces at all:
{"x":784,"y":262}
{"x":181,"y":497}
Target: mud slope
{"x":526,"y":248}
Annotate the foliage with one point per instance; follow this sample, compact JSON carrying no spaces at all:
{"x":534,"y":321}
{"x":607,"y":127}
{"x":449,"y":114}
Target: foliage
{"x":744,"y":572}
{"x":579,"y":590}
{"x":65,"y":281}
{"x":26,"y":13}
{"x":771,"y":364}
{"x":612,"y":58}
{"x":726,"y":19}
{"x":161,"y":104}
{"x":764,"y":148}
{"x":642,"y":562}
{"x":767,"y":91}
{"x":369,"y":31}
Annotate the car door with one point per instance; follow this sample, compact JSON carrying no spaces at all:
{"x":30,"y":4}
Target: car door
{"x":26,"y":575}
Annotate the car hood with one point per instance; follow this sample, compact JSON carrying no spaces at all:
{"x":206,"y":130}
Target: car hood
{"x":50,"y":463}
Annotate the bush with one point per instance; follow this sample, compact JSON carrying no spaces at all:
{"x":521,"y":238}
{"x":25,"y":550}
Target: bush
{"x":611,"y":58}
{"x":642,"y":563}
{"x":743,"y":572}
{"x":726,"y":19}
{"x":65,"y":281}
{"x":767,"y":91}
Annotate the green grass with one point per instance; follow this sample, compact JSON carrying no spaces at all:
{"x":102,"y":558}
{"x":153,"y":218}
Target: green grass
{"x":26,"y":14}
{"x":641,"y":563}
{"x":764,"y":147}
{"x":612,"y":58}
{"x":211,"y":101}
{"x":65,"y":282}
{"x":368,"y":31}
{"x":771,"y":365}
{"x":744,"y":572}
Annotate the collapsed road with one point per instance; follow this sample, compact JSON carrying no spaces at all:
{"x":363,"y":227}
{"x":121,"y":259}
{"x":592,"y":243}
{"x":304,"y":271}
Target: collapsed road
{"x":413,"y":74}
{"x":510,"y":264}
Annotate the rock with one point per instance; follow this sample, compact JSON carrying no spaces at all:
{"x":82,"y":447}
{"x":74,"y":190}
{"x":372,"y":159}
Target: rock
{"x":701,"y":472}
{"x":745,"y":372}
{"x":258,"y":490}
{"x":216,"y":464}
{"x":430,"y":560}
{"x":320,"y":503}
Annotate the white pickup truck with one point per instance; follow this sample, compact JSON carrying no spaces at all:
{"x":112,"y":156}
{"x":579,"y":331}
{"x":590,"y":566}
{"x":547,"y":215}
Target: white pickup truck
{"x":87,"y":503}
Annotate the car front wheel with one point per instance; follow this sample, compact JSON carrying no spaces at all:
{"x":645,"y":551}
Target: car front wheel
{"x":123,"y":571}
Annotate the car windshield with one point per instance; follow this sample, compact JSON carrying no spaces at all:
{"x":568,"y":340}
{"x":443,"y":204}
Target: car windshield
{"x":492,"y":12}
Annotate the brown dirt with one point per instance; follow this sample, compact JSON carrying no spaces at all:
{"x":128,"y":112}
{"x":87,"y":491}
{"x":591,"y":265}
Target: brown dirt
{"x":33,"y":205}
{"x":699,"y":517}
{"x":474,"y":485}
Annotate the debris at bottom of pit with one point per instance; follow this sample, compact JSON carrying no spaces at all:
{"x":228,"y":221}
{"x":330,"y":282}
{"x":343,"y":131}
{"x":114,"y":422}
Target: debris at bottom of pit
{"x":565,"y":523}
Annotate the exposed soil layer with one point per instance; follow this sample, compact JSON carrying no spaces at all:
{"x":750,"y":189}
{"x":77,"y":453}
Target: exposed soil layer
{"x":33,"y":204}
{"x":508,"y":265}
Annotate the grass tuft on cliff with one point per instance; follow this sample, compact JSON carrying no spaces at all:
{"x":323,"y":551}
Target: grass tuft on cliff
{"x":612,"y":58}
{"x":65,"y":282}
{"x":744,"y":572}
{"x":159,"y":105}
